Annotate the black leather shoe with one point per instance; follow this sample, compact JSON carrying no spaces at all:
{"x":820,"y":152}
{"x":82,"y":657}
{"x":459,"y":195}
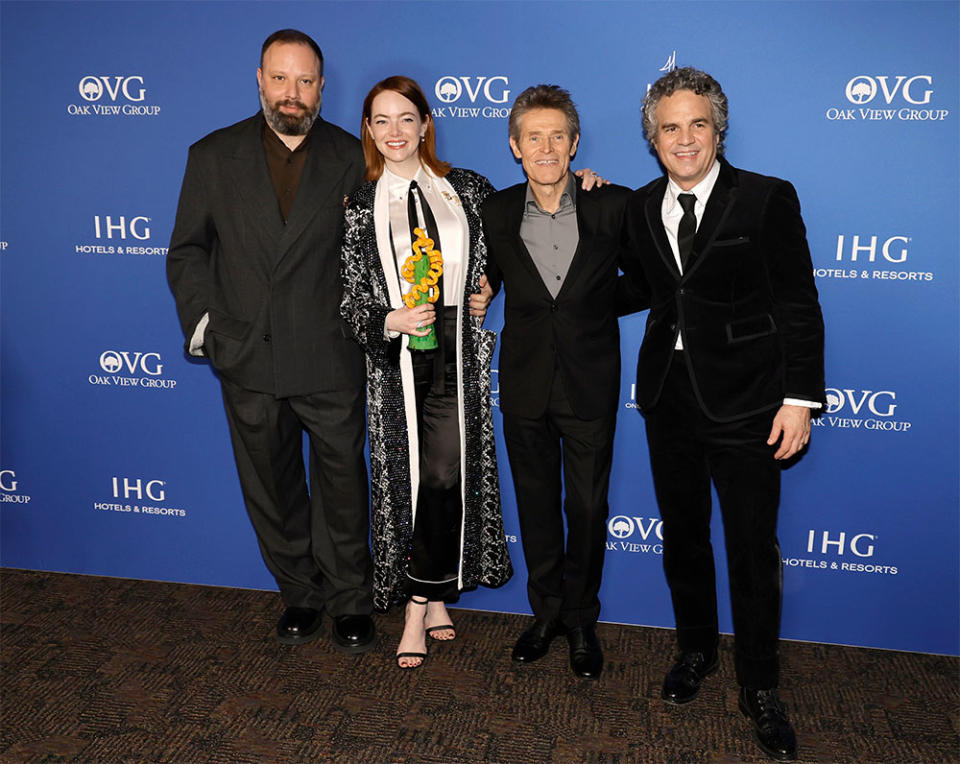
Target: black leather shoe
{"x":586,"y":656}
{"x":353,"y":633}
{"x":684,"y":679}
{"x":773,"y":731}
{"x":298,"y":625}
{"x":535,"y":641}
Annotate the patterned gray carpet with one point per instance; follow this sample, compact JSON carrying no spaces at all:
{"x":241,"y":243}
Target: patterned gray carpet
{"x":100,"y":670}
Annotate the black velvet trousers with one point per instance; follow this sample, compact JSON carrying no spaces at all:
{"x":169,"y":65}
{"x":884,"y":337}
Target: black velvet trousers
{"x":315,"y":543}
{"x":564,"y":574}
{"x":687,"y":452}
{"x":434,"y":566}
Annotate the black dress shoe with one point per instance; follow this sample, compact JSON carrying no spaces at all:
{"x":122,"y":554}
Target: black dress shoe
{"x":684,"y":679}
{"x":586,"y":656}
{"x":535,"y":641}
{"x":298,"y":625}
{"x":353,"y":633}
{"x":773,"y":731}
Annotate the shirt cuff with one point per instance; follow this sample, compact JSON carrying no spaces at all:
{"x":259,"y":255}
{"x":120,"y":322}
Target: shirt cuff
{"x":800,"y":402}
{"x":196,"y":341}
{"x":387,"y":333}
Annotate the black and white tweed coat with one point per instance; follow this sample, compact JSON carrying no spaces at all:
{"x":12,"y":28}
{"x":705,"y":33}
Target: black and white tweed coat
{"x":364,"y":306}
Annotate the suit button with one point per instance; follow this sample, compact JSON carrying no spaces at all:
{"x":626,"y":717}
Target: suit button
{"x":266,"y":338}
{"x":681,"y":291}
{"x":554,"y":308}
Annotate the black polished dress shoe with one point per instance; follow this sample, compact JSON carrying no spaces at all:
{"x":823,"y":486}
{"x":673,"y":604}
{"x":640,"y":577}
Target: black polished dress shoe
{"x":535,"y":641}
{"x":586,"y":655}
{"x":683,"y":680}
{"x":353,"y":633}
{"x":774,"y":734}
{"x":298,"y":625}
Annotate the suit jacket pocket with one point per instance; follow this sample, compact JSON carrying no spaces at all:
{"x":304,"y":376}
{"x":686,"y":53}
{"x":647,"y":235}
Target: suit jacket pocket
{"x":750,"y":328}
{"x":731,"y":242}
{"x":234,"y":328}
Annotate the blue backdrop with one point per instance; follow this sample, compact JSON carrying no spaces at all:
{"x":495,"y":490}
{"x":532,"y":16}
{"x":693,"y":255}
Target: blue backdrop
{"x":115,"y":454}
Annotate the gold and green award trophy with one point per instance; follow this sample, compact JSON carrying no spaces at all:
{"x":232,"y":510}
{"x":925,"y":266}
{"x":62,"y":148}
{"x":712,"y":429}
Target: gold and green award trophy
{"x":422,"y":269}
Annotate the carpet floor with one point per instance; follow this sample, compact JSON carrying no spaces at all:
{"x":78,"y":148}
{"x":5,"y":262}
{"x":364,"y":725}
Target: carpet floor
{"x":99,"y":670}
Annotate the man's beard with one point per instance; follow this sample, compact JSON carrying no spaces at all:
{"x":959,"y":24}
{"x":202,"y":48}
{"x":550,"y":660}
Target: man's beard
{"x":288,"y":124}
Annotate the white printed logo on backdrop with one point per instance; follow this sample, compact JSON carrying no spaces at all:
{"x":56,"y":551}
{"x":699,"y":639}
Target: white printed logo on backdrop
{"x":137,"y":496}
{"x":853,"y":409}
{"x":120,"y":235}
{"x":873,"y":257}
{"x":842,"y":551}
{"x":472,"y":97}
{"x":635,"y":535}
{"x":888,"y":97}
{"x":10,"y":491}
{"x":131,"y":368}
{"x":112,"y":95}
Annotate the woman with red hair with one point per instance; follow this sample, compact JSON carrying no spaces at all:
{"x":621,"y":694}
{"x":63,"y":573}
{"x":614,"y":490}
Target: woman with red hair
{"x":412,"y":270}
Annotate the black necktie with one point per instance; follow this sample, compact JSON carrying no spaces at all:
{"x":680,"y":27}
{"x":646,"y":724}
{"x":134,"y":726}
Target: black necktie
{"x":430,"y":224}
{"x":687,"y":228}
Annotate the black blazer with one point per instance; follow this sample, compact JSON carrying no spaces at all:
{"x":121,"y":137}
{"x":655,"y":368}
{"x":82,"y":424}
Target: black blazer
{"x":576,"y":332}
{"x":272,"y":289}
{"x":747,"y":303}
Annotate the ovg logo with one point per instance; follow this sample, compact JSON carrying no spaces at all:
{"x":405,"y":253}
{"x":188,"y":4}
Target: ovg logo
{"x":93,"y":88}
{"x":103,"y":94}
{"x":145,"y":370}
{"x":112,"y":361}
{"x":888,"y":97}
{"x":494,"y":89}
{"x":916,"y":89}
{"x":852,"y":409}
{"x":461,"y":94}
{"x":879,"y":403}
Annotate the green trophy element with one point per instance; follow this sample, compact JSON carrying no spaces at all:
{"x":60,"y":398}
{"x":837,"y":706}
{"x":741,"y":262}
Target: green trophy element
{"x":423,"y":269}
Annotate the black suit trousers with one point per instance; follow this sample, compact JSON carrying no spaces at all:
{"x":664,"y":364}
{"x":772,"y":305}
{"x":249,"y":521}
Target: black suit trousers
{"x":563,"y":578}
{"x":687,"y":452}
{"x":315,"y":543}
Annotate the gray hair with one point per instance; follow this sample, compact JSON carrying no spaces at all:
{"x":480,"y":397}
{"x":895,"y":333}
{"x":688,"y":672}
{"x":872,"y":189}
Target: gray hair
{"x":544,"y":97}
{"x":686,"y":78}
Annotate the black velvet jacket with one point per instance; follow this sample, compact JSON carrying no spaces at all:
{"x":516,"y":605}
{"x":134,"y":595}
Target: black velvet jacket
{"x":747,"y":304}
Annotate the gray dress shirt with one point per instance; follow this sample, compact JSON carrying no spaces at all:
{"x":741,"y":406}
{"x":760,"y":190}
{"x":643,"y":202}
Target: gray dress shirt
{"x":551,"y":238}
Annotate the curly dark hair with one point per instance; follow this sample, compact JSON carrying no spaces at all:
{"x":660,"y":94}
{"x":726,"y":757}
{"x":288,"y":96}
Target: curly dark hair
{"x":686,"y":78}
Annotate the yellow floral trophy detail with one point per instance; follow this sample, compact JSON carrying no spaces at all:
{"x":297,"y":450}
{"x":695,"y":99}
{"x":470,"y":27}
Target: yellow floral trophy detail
{"x":422,"y":269}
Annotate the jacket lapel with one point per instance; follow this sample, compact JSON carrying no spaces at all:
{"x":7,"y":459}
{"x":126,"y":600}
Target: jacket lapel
{"x":719,"y":205}
{"x":585,"y":209}
{"x":321,"y":178}
{"x":253,"y":185}
{"x":515,"y":212}
{"x":653,"y":210}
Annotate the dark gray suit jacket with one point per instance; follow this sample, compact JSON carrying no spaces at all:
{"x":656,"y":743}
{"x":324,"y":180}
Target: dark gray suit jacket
{"x":272,"y":289}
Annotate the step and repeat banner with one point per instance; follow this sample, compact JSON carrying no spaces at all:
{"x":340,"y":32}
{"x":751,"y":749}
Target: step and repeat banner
{"x":115,"y":453}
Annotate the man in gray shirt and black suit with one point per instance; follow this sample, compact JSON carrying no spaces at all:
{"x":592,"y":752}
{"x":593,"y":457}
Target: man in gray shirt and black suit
{"x":554,"y":249}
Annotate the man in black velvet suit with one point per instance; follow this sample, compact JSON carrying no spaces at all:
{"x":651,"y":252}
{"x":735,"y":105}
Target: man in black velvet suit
{"x":554,"y":248}
{"x":729,"y":371}
{"x":254,"y":267}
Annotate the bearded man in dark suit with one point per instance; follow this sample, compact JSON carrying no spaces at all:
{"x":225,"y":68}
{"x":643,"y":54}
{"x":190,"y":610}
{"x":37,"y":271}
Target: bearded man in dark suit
{"x":254,"y":267}
{"x":729,"y":371}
